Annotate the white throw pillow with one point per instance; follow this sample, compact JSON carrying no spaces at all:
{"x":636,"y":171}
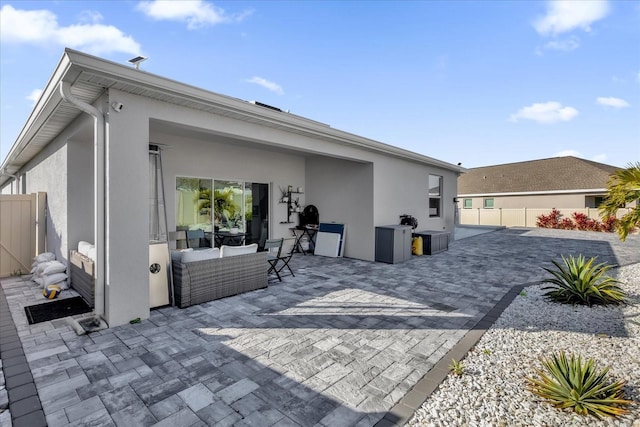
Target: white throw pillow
{"x":200,"y":255}
{"x":92,"y":253}
{"x":176,"y":254}
{"x":83,"y":247}
{"x":226,"y":251}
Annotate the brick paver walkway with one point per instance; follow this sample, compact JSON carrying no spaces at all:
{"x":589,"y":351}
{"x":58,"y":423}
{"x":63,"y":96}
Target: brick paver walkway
{"x":340,"y":344}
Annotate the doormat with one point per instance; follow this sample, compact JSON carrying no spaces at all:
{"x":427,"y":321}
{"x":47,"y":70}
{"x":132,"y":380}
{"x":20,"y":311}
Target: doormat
{"x":56,"y":309}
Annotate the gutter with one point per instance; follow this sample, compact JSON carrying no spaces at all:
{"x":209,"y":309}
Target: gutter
{"x":99,"y":180}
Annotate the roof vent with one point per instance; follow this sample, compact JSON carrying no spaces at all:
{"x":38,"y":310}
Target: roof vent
{"x":260,"y":104}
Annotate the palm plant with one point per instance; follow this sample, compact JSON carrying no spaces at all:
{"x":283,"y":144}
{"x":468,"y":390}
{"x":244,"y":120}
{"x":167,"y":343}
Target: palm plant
{"x":623,"y":188}
{"x":579,"y":281}
{"x":568,"y":383}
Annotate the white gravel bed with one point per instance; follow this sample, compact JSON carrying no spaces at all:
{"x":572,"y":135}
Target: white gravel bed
{"x":492,"y":390}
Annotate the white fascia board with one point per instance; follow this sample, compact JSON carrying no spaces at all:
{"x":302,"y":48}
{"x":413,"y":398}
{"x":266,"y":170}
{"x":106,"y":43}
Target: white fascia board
{"x":537,"y":193}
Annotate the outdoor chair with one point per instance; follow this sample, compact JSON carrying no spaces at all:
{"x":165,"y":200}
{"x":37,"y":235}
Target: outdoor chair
{"x":273,"y":248}
{"x":286,"y":252}
{"x":196,"y":239}
{"x":281,"y":261}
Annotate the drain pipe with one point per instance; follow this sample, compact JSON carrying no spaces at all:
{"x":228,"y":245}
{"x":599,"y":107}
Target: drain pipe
{"x":98,"y":193}
{"x":15,"y":178}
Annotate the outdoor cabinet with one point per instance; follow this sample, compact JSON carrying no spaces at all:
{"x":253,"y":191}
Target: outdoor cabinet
{"x":393,"y":243}
{"x":434,"y":241}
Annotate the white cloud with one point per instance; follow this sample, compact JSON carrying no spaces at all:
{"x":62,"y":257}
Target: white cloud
{"x":564,"y":16}
{"x":41,"y":27}
{"x":547,"y":112}
{"x":34,"y":96}
{"x":273,"y":87}
{"x":601,"y":158}
{"x":575,"y":153}
{"x":613,"y":102}
{"x":196,"y":13}
{"x":565,"y":153}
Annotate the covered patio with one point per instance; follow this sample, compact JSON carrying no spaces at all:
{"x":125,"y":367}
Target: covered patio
{"x":345,"y":342}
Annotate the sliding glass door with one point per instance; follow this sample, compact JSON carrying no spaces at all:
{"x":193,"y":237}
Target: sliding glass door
{"x":243,"y":206}
{"x":223,"y":206}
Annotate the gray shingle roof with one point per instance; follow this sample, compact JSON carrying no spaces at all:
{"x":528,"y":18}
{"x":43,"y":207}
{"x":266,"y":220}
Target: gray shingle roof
{"x":558,"y":173}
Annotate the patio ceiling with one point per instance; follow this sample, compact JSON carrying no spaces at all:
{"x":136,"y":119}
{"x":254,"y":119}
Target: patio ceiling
{"x":90,"y":77}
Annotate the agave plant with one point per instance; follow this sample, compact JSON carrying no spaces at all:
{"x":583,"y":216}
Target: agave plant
{"x":568,"y":383}
{"x":580,"y":281}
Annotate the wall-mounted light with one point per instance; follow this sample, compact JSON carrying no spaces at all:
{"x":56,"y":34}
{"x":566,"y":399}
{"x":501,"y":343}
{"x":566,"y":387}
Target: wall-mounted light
{"x":117,"y":106}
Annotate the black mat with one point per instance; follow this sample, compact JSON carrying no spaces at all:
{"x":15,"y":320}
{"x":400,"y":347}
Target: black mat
{"x":56,"y":309}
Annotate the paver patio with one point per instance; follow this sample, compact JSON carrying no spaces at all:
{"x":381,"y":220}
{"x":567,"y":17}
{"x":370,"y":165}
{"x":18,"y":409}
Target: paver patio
{"x":340,"y":344}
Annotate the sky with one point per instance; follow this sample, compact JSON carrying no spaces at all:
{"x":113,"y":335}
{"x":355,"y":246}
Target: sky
{"x":472,"y":82}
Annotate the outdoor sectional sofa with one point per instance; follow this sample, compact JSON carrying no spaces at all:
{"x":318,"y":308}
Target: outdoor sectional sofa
{"x":195,"y":282}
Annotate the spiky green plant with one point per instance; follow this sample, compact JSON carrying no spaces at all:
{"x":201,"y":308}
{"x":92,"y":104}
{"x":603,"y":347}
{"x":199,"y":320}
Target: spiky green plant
{"x":567,"y":383}
{"x":456,"y":367}
{"x":580,"y":281}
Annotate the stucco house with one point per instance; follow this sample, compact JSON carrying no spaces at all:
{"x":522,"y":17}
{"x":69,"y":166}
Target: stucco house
{"x":559,"y":182}
{"x":87,"y":145}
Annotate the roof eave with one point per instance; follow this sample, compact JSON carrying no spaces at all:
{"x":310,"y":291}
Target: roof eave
{"x":537,"y":193}
{"x":73,"y":63}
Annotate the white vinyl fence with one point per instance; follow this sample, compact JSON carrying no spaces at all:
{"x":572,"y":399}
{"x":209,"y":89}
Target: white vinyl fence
{"x":522,"y":217}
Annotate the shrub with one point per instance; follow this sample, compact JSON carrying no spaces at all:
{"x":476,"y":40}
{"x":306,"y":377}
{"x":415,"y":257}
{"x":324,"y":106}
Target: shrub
{"x":568,"y":383}
{"x":578,"y":221}
{"x":566,"y":224}
{"x":579,"y":281}
{"x":609,"y":224}
{"x":583,"y":222}
{"x":549,"y":221}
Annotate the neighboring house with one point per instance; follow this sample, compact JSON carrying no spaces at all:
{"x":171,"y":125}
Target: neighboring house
{"x":87,"y":145}
{"x":559,"y":182}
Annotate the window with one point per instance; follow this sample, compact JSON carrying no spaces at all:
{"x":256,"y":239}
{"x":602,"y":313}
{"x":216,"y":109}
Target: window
{"x":467,"y":203}
{"x":435,"y":192}
{"x":597,"y":201}
{"x":488,"y":203}
{"x":193,"y":204}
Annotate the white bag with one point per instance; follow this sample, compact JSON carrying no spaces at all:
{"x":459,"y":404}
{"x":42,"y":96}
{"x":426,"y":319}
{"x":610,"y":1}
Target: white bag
{"x":52,"y":279}
{"x":44,"y":257}
{"x":54,"y":267}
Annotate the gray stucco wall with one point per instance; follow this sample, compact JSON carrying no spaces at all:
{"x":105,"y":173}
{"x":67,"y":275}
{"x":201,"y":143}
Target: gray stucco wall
{"x":343,"y":192}
{"x":80,"y":190}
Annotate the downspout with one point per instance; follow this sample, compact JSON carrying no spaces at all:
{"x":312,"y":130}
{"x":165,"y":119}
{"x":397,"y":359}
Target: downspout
{"x":5,"y":173}
{"x":99,"y":179}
